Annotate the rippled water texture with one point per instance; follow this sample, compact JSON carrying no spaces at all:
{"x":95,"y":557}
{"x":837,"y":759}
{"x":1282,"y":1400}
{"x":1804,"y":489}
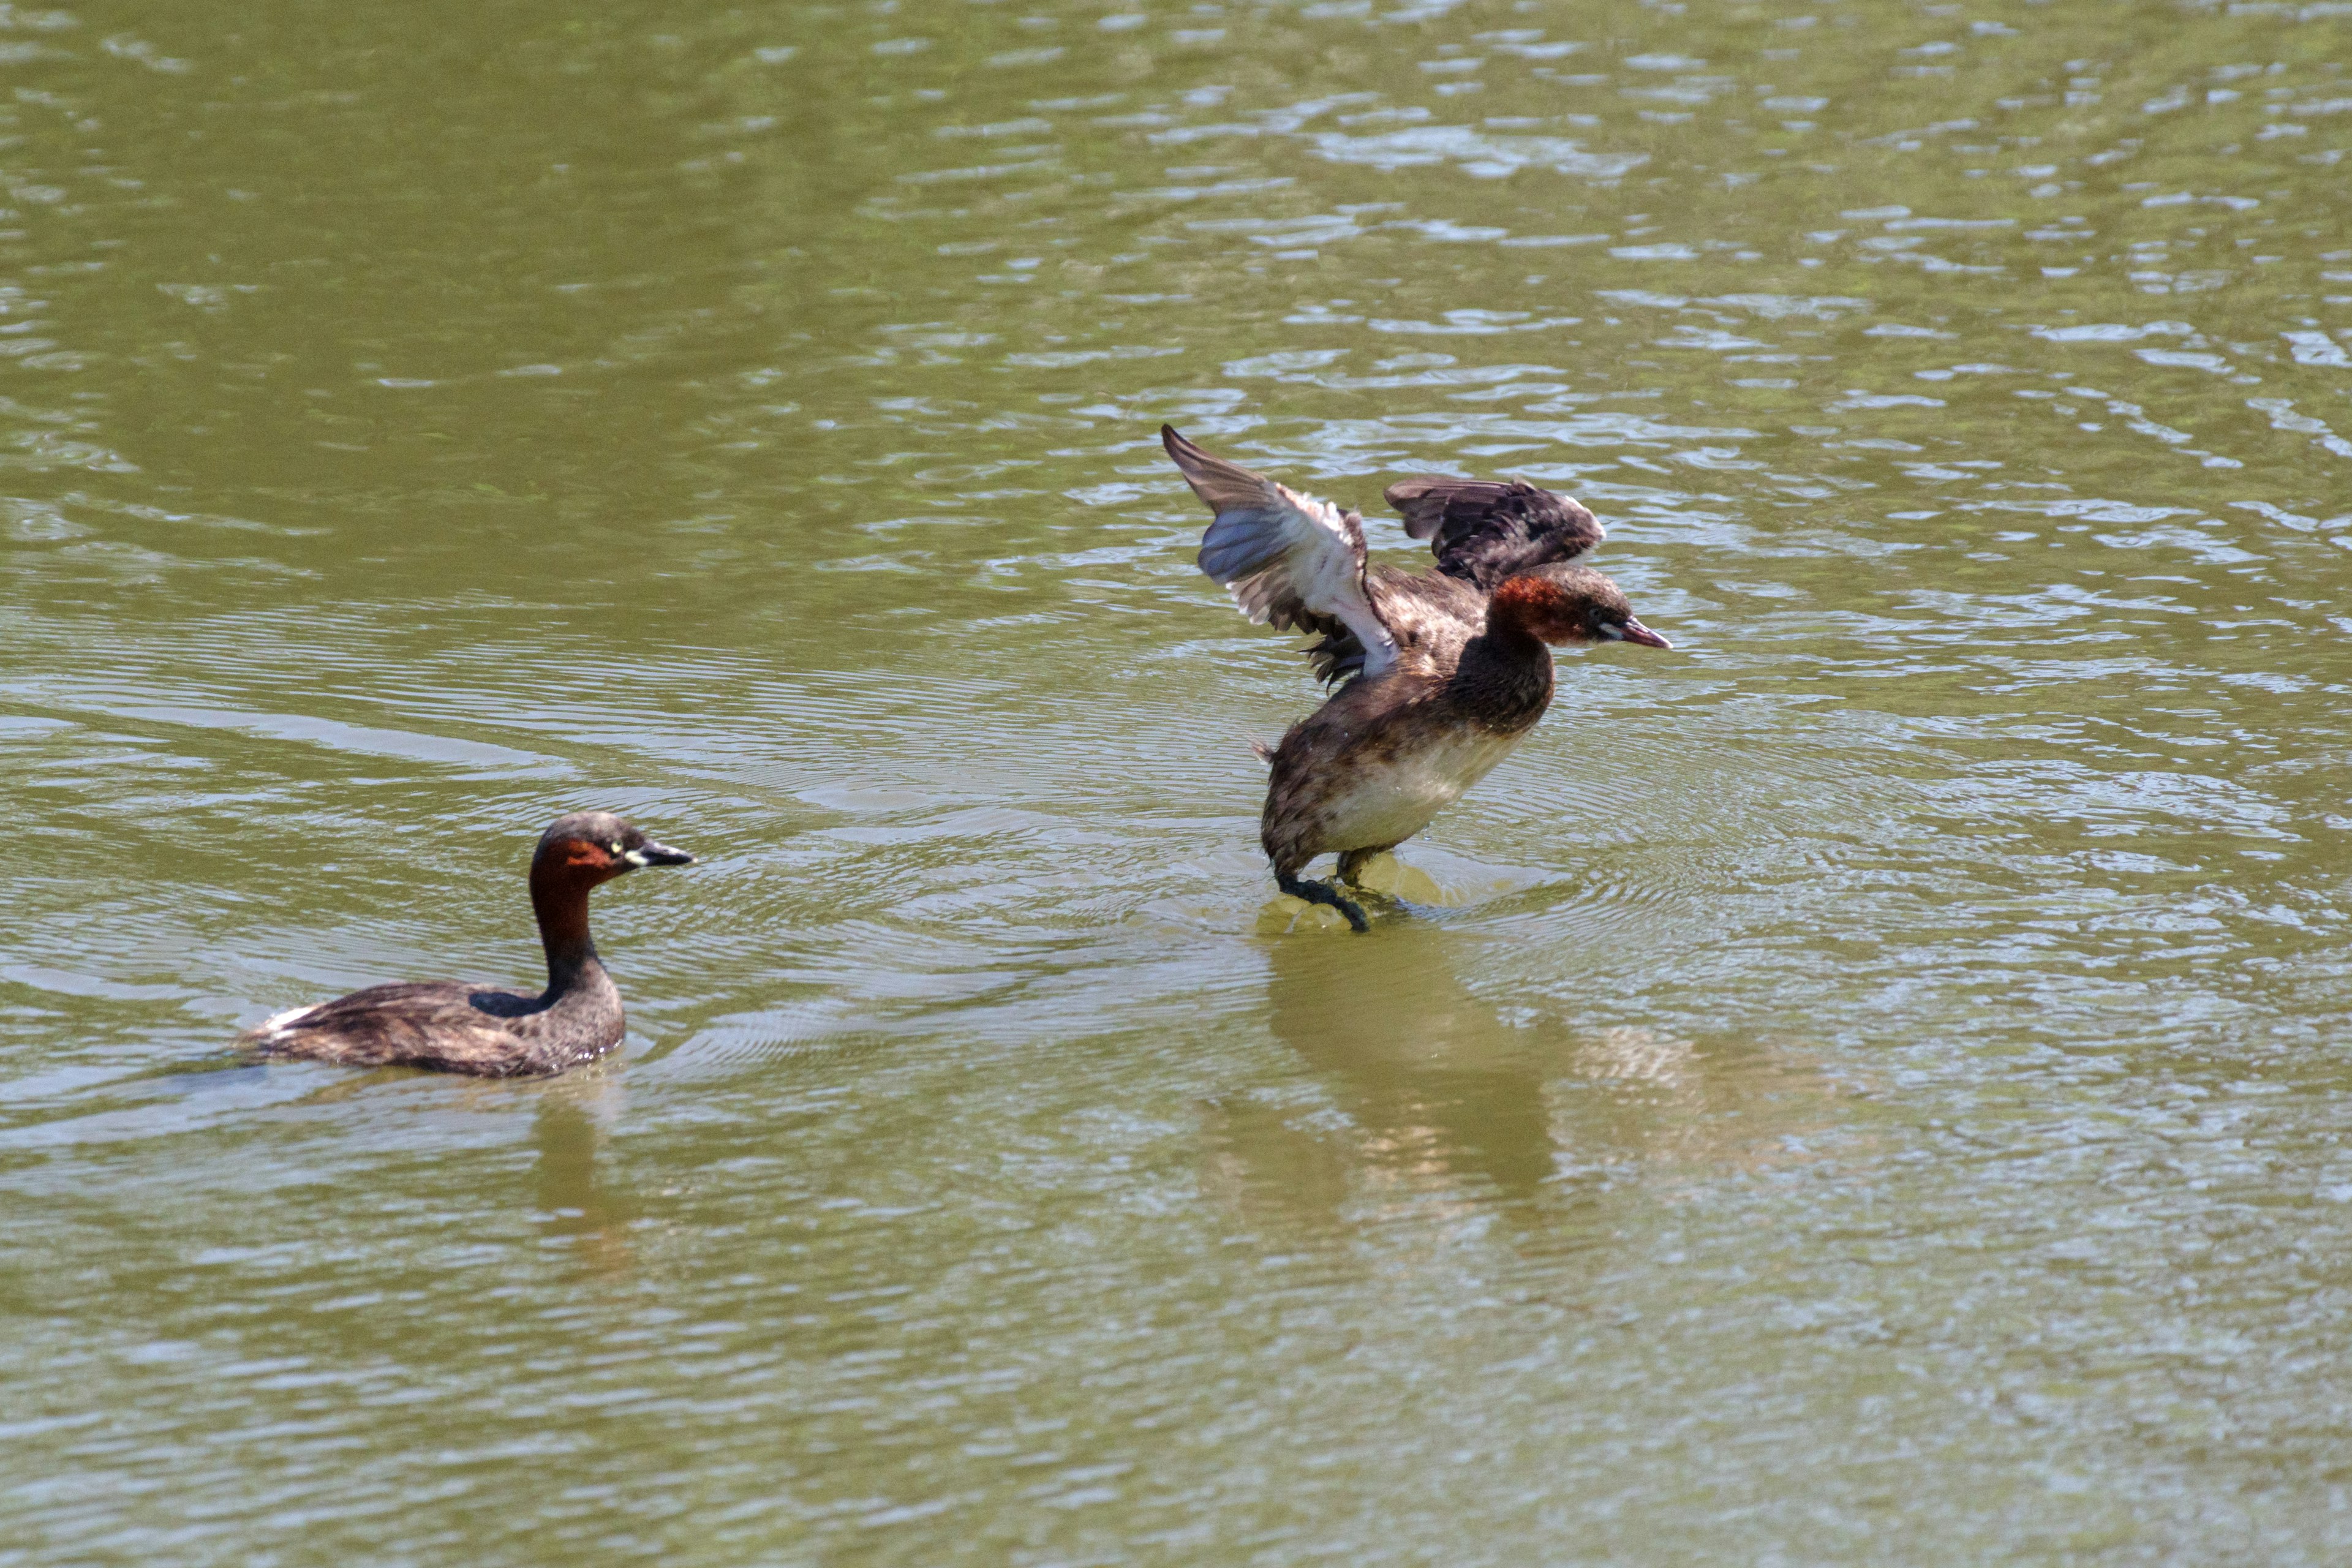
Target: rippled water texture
{"x":1868,"y":1086}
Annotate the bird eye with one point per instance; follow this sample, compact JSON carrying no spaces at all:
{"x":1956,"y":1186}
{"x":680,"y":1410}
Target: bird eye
{"x":616,"y":847}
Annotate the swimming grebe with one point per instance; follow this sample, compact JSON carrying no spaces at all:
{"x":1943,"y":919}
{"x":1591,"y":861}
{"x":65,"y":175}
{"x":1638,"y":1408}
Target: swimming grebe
{"x":490,"y":1030}
{"x":1446,"y":671}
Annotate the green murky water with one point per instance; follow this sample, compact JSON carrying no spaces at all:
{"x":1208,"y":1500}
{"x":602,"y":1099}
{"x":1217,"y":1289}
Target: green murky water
{"x":1868,"y":1087}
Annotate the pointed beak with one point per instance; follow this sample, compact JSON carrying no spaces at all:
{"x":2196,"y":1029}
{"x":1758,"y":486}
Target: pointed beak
{"x":1634,"y":631}
{"x":652,"y":854}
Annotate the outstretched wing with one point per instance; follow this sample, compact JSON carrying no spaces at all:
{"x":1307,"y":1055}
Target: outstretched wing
{"x":1288,"y":560}
{"x":1486,"y":531}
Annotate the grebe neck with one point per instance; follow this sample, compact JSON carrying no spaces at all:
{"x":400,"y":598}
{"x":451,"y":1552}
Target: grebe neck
{"x":1504,"y":680}
{"x":560,"y":902}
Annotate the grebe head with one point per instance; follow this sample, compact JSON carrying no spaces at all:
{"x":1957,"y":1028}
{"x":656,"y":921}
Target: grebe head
{"x":598,"y":846}
{"x":1570,"y":604}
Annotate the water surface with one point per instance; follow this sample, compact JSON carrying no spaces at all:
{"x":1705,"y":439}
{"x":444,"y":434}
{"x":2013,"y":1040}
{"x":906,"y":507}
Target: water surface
{"x":1866,"y":1087}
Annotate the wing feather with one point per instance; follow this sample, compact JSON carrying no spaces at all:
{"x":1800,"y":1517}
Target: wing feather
{"x":1431,"y":615}
{"x":1290,"y":560}
{"x":1485,"y":530}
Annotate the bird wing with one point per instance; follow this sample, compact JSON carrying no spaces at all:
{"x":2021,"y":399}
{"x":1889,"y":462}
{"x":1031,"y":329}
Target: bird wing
{"x":1486,"y":530}
{"x":432,"y":1024}
{"x":1288,"y":560}
{"x":1430,"y":615}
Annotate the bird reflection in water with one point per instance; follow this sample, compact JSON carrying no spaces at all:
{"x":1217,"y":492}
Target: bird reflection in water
{"x":1432,"y":1092}
{"x":578,"y":1197}
{"x":1425,"y":1079}
{"x":574,"y":1192}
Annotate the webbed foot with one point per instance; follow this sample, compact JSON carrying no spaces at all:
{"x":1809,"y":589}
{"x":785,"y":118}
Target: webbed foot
{"x":1324,"y":893}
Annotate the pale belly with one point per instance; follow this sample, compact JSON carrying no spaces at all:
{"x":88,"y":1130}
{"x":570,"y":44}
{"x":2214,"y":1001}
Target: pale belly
{"x":1389,"y":801}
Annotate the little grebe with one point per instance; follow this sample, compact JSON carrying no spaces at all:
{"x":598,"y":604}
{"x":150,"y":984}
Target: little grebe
{"x":1445,"y":671}
{"x":491,"y":1031}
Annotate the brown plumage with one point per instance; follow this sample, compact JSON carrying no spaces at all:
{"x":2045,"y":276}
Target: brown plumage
{"x":1446,"y":671}
{"x":1486,"y":531}
{"x":493,"y":1030}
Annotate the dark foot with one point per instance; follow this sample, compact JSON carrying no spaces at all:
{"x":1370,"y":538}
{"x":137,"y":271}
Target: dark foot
{"x":1324,"y":893}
